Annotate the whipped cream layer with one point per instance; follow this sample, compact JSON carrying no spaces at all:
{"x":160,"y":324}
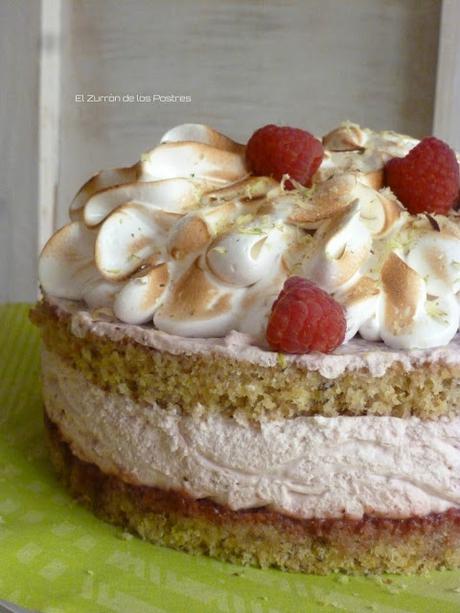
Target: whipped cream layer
{"x":358,"y":354}
{"x":304,"y":467}
{"x":187,"y":241}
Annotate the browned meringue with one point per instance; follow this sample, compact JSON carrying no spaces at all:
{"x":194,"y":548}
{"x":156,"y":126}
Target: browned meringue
{"x":187,"y":239}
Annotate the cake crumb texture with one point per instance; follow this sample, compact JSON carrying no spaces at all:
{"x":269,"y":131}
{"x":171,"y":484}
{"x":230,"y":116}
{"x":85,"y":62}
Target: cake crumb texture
{"x":199,"y":383}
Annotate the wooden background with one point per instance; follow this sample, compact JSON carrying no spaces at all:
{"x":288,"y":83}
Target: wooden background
{"x":307,"y":63}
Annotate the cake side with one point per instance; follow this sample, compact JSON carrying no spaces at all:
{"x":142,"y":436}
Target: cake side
{"x":212,"y":383}
{"x":308,"y":466}
{"x":261,"y":537}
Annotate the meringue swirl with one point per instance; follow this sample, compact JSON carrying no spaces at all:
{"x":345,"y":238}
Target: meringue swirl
{"x":188,"y":241}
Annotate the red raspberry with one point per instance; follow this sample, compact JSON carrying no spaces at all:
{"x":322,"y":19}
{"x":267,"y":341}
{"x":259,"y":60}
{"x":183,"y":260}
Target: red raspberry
{"x":305,"y":318}
{"x":275,"y":151}
{"x":426,"y":179}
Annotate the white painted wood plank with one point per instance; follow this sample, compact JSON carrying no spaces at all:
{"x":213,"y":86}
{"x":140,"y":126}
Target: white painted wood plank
{"x":49,"y":135}
{"x":244,"y":64}
{"x":19,"y":70}
{"x":447,"y":107}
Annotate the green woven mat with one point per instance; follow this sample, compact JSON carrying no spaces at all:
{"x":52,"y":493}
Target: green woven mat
{"x":56,"y":557}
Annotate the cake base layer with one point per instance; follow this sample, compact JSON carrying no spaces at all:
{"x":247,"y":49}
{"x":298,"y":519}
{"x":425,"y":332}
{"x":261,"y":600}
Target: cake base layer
{"x":261,"y":537}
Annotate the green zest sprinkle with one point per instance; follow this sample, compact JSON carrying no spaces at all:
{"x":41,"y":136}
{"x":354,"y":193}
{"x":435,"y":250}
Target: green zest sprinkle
{"x":282,"y":360}
{"x":435,"y":312}
{"x":220,"y":250}
{"x":133,"y":256}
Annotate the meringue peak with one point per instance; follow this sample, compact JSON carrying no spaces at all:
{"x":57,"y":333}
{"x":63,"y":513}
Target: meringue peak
{"x":187,"y":240}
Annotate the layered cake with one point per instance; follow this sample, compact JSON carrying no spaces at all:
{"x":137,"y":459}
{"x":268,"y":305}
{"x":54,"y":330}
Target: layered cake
{"x":251,"y":352}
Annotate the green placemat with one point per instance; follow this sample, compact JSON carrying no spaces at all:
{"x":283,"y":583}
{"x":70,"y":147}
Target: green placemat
{"x":56,"y":557}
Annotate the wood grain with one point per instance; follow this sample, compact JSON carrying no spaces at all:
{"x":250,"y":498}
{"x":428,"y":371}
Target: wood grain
{"x":447,"y":108}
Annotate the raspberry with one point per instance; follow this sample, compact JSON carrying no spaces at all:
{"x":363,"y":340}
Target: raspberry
{"x":305,"y":318}
{"x":426,"y":179}
{"x":275,"y":151}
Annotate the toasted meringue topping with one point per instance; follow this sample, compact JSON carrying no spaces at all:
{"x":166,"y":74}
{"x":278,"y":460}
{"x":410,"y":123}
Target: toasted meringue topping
{"x":347,"y":137}
{"x":101,"y":181}
{"x":188,"y":240}
{"x":381,"y":212}
{"x":245,"y":190}
{"x":342,"y":247}
{"x":197,"y":306}
{"x":196,"y":160}
{"x":403,"y":289}
{"x":373,"y":178}
{"x":197,"y":132}
{"x":350,"y":148}
{"x":408,"y":316}
{"x":243,"y":259}
{"x":189,"y":235}
{"x":130,"y":235}
{"x":324,"y":201}
{"x":176,"y":195}
{"x":67,"y":262}
{"x":437,"y":259}
{"x":139,"y":298}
